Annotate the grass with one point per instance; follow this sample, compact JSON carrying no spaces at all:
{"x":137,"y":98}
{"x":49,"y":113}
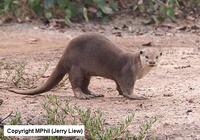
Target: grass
{"x":22,"y":79}
{"x":63,"y":113}
{"x":95,"y":126}
{"x":16,"y":75}
{"x":14,"y":121}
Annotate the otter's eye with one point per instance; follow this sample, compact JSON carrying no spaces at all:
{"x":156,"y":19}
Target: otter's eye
{"x":146,"y":57}
{"x":156,"y":57}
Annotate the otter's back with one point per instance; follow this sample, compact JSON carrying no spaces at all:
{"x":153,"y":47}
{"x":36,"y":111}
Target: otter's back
{"x":95,"y":54}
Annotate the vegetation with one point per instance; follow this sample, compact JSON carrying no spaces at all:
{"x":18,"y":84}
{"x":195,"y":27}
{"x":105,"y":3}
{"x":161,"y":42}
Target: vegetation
{"x":17,"y":76}
{"x":75,"y":10}
{"x":95,"y":126}
{"x":15,"y":120}
{"x":65,"y":9}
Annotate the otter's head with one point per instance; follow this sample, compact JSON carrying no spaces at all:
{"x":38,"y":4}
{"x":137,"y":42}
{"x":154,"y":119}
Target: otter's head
{"x":150,"y":56}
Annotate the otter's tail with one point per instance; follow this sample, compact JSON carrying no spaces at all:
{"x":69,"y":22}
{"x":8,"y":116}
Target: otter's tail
{"x":56,"y":76}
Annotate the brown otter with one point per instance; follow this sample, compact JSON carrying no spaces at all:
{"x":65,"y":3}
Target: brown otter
{"x":94,"y":55}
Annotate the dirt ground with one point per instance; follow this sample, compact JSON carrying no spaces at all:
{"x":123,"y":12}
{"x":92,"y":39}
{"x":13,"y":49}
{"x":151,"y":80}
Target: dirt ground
{"x":173,"y":87}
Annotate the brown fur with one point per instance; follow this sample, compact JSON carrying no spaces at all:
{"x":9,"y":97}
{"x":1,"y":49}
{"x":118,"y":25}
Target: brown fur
{"x":93,"y":55}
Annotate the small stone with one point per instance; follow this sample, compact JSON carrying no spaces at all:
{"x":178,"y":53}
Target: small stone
{"x":189,"y":111}
{"x":33,"y":41}
{"x":147,"y":44}
{"x":167,"y":94}
{"x":190,"y":100}
{"x":191,"y":88}
{"x":1,"y":101}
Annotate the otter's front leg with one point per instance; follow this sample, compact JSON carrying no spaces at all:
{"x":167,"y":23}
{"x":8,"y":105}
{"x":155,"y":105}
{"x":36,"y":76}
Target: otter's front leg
{"x":128,"y":92}
{"x":126,"y":86}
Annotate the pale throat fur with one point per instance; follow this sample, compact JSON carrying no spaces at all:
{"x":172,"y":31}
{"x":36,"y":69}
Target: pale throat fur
{"x":143,"y":68}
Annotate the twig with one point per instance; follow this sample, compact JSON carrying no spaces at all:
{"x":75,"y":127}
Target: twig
{"x":6,"y":117}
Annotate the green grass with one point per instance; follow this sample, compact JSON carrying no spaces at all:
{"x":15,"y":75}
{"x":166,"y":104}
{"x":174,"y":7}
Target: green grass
{"x":95,"y":126}
{"x":60,"y":112}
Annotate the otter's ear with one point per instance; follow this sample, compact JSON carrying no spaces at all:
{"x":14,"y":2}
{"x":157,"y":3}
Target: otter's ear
{"x":160,"y":53}
{"x":141,"y":52}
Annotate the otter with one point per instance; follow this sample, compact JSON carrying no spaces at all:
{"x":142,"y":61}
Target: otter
{"x":94,"y":55}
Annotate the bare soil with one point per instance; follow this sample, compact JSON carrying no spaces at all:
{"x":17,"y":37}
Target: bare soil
{"x":173,"y":87}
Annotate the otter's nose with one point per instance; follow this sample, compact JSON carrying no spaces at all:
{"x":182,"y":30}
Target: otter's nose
{"x":152,"y":62}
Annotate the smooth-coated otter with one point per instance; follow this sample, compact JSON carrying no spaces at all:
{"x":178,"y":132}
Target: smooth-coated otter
{"x":94,"y":55}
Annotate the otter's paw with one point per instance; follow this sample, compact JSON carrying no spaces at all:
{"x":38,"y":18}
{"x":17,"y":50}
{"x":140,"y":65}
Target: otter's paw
{"x":94,"y":95}
{"x":136,"y":97}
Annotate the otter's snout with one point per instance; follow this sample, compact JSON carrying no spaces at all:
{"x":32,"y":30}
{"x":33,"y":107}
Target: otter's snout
{"x":152,"y":62}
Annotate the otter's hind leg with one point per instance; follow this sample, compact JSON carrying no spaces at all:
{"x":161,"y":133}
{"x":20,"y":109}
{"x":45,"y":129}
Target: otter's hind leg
{"x":84,"y":87}
{"x":76,"y":77}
